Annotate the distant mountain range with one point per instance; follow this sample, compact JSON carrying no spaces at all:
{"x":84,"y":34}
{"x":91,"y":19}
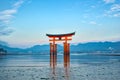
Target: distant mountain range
{"x":91,"y":47}
{"x":97,"y":47}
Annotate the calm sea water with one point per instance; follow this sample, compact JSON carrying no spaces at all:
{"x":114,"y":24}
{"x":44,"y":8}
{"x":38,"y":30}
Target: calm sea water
{"x":44,"y":59}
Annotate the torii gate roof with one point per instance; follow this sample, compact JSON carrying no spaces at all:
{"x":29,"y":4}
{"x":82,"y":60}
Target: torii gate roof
{"x":60,"y":35}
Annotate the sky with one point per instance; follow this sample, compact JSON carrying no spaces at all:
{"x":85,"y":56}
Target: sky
{"x":24,"y":23}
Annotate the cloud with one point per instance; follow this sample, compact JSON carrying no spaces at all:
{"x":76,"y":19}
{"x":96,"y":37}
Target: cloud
{"x":8,"y":12}
{"x":109,"y":1}
{"x":114,"y":11}
{"x":18,"y":4}
{"x":6,"y":32}
{"x":6,"y":16}
{"x":93,"y":22}
{"x":115,"y":8}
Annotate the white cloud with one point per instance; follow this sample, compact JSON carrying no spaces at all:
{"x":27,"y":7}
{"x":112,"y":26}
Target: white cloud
{"x":6,"y":32}
{"x":93,"y":22}
{"x":117,"y":15}
{"x":18,"y":4}
{"x":115,"y":8}
{"x":109,"y":1}
{"x":114,"y":11}
{"x":8,"y":12}
{"x":6,"y":16}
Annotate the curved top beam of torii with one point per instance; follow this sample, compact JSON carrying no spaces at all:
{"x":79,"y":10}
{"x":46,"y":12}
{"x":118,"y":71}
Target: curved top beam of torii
{"x":60,"y":35}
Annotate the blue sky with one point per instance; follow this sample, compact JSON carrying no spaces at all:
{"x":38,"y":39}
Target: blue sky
{"x":24,"y":23}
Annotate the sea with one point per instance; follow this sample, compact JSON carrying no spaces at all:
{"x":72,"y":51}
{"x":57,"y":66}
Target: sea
{"x":44,"y":59}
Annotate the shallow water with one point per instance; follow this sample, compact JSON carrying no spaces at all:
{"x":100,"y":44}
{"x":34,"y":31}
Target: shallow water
{"x":79,"y":66}
{"x":44,"y":59}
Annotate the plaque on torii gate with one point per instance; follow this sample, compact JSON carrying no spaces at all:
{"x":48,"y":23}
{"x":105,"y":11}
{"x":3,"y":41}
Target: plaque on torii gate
{"x":53,"y":38}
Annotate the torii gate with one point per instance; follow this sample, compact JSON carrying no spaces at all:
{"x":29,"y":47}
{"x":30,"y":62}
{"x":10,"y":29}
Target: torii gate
{"x":53,"y":46}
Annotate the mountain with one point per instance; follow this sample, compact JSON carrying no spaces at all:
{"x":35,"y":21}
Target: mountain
{"x":97,"y":47}
{"x":108,"y":47}
{"x":10,"y":49}
{"x":4,"y":43}
{"x":42,"y":48}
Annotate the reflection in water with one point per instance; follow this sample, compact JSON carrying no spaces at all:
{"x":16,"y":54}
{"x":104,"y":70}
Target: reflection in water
{"x":66,"y":65}
{"x":53,"y":64}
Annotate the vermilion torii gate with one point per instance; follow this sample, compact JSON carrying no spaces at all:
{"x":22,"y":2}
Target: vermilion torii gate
{"x":53,"y":46}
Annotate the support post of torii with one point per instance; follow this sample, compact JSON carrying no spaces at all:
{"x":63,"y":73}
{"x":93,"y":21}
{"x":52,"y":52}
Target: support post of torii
{"x":53,"y":47}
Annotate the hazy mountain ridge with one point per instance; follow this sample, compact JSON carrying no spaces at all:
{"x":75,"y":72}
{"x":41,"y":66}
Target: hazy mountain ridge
{"x":81,"y":47}
{"x":10,"y":49}
{"x":97,"y":46}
